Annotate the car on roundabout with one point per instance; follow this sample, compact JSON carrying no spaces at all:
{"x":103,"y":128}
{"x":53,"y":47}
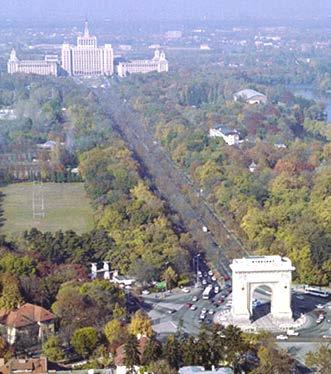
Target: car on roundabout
{"x":193,"y":307}
{"x":195,"y":299}
{"x":281,"y":337}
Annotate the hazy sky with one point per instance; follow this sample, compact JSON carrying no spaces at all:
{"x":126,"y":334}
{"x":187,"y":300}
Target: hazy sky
{"x":163,"y":9}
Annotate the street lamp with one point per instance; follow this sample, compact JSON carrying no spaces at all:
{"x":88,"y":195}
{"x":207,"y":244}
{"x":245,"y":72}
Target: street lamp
{"x":197,"y":261}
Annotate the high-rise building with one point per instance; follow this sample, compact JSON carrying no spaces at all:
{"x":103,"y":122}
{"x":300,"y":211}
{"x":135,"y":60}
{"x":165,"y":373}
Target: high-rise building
{"x":158,"y":63}
{"x":48,"y":66}
{"x":87,"y":58}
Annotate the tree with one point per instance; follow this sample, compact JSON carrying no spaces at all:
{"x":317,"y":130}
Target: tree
{"x":161,"y":367}
{"x":10,"y":293}
{"x":52,"y":349}
{"x":152,"y":351}
{"x":84,"y":341}
{"x":170,"y":277}
{"x":172,"y":352}
{"x":271,"y":359}
{"x":115,"y":332}
{"x":320,"y":359}
{"x":140,"y":325}
{"x":131,"y":352}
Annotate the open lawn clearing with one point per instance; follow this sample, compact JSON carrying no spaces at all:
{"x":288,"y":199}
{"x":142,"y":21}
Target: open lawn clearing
{"x":66,"y":207}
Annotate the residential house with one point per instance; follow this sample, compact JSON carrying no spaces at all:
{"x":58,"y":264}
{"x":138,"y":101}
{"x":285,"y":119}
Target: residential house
{"x":250,"y":96}
{"x":24,"y":366}
{"x":201,"y":370}
{"x":28,"y":321}
{"x":230,"y":136}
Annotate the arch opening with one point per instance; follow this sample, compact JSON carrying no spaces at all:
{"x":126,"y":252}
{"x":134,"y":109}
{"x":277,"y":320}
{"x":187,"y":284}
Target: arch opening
{"x":261,"y":302}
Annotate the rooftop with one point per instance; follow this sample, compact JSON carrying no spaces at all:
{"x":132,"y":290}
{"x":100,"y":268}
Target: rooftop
{"x":261,"y":263}
{"x":248,"y":93}
{"x":27,"y":314}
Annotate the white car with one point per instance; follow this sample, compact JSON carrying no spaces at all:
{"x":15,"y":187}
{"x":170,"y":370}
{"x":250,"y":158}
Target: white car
{"x":211,"y":312}
{"x":281,"y":337}
{"x":213,"y":278}
{"x":216,"y":289}
{"x":204,"y":310}
{"x":204,"y":282}
{"x":202,"y":316}
{"x":193,"y":307}
{"x":326,"y":336}
{"x":291,"y":332}
{"x":195,"y":298}
{"x":204,"y":228}
{"x":186,"y":290}
{"x":210,"y":273}
{"x":145,"y":292}
{"x":319,"y":306}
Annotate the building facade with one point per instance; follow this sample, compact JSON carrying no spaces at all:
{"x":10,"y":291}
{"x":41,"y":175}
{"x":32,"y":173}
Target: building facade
{"x":48,"y":66}
{"x":87,"y":58}
{"x":158,"y":63}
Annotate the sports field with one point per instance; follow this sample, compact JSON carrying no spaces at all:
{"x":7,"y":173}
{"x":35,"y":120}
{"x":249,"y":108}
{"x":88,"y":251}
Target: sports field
{"x":65,"y":206}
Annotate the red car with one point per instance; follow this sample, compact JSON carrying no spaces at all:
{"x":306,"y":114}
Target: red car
{"x":189,"y":305}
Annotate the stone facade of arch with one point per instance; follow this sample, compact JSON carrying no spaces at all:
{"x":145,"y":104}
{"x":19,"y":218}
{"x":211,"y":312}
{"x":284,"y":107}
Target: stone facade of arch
{"x":253,"y":272}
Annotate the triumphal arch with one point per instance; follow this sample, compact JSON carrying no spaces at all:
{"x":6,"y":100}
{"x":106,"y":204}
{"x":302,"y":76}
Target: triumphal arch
{"x":252,"y":272}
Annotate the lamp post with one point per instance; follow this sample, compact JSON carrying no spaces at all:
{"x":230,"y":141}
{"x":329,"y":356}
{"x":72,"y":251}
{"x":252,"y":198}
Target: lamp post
{"x":197,"y":265}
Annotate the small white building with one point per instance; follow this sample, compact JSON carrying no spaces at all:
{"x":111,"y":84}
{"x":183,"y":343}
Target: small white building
{"x":158,"y":63}
{"x":252,"y":167}
{"x":250,"y":96}
{"x":230,"y":136}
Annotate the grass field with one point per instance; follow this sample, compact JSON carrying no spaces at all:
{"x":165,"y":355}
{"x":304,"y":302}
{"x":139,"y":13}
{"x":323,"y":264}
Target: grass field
{"x":67,"y":207}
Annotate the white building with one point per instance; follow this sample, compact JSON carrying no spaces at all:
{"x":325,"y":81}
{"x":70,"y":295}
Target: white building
{"x":230,"y":136}
{"x":48,"y":66}
{"x":274,"y":272}
{"x":158,"y":63}
{"x":87,"y":59}
{"x":250,"y":96}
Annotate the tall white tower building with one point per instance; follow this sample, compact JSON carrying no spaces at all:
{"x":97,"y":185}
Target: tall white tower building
{"x":87,"y":58}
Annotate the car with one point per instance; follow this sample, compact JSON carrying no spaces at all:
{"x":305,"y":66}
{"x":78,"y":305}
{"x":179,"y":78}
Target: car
{"x":145,"y":292}
{"x":186,"y":290}
{"x":319,"y":306}
{"x":210,"y":273}
{"x":199,"y":273}
{"x":189,"y":305}
{"x":281,"y":337}
{"x":204,"y":282}
{"x":204,"y":228}
{"x":299,"y":297}
{"x":326,"y":336}
{"x":195,"y":298}
{"x":320,"y":318}
{"x":202,"y":317}
{"x":213,"y":278}
{"x":193,"y":307}
{"x":211,"y":312}
{"x":171,"y":311}
{"x":204,"y":310}
{"x":291,"y":332}
{"x":226,"y":277}
{"x":216,"y":289}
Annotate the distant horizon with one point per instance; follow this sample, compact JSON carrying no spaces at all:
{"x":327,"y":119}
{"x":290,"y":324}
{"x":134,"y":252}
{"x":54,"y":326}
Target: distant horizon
{"x":165,"y":11}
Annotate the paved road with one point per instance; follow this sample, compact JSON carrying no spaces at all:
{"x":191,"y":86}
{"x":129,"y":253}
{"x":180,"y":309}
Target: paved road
{"x":220,"y":244}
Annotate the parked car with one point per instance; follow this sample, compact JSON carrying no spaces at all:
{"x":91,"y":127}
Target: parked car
{"x":195,"y":298}
{"x":291,"y":332}
{"x":145,"y":292}
{"x":281,"y":337}
{"x":186,"y":290}
{"x":216,"y":289}
{"x":189,"y":305}
{"x":193,"y":307}
{"x":210,"y":273}
{"x":211,"y":312}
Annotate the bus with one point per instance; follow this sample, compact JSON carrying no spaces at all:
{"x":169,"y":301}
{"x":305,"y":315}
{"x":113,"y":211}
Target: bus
{"x":207,"y":292}
{"x":316,"y":291}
